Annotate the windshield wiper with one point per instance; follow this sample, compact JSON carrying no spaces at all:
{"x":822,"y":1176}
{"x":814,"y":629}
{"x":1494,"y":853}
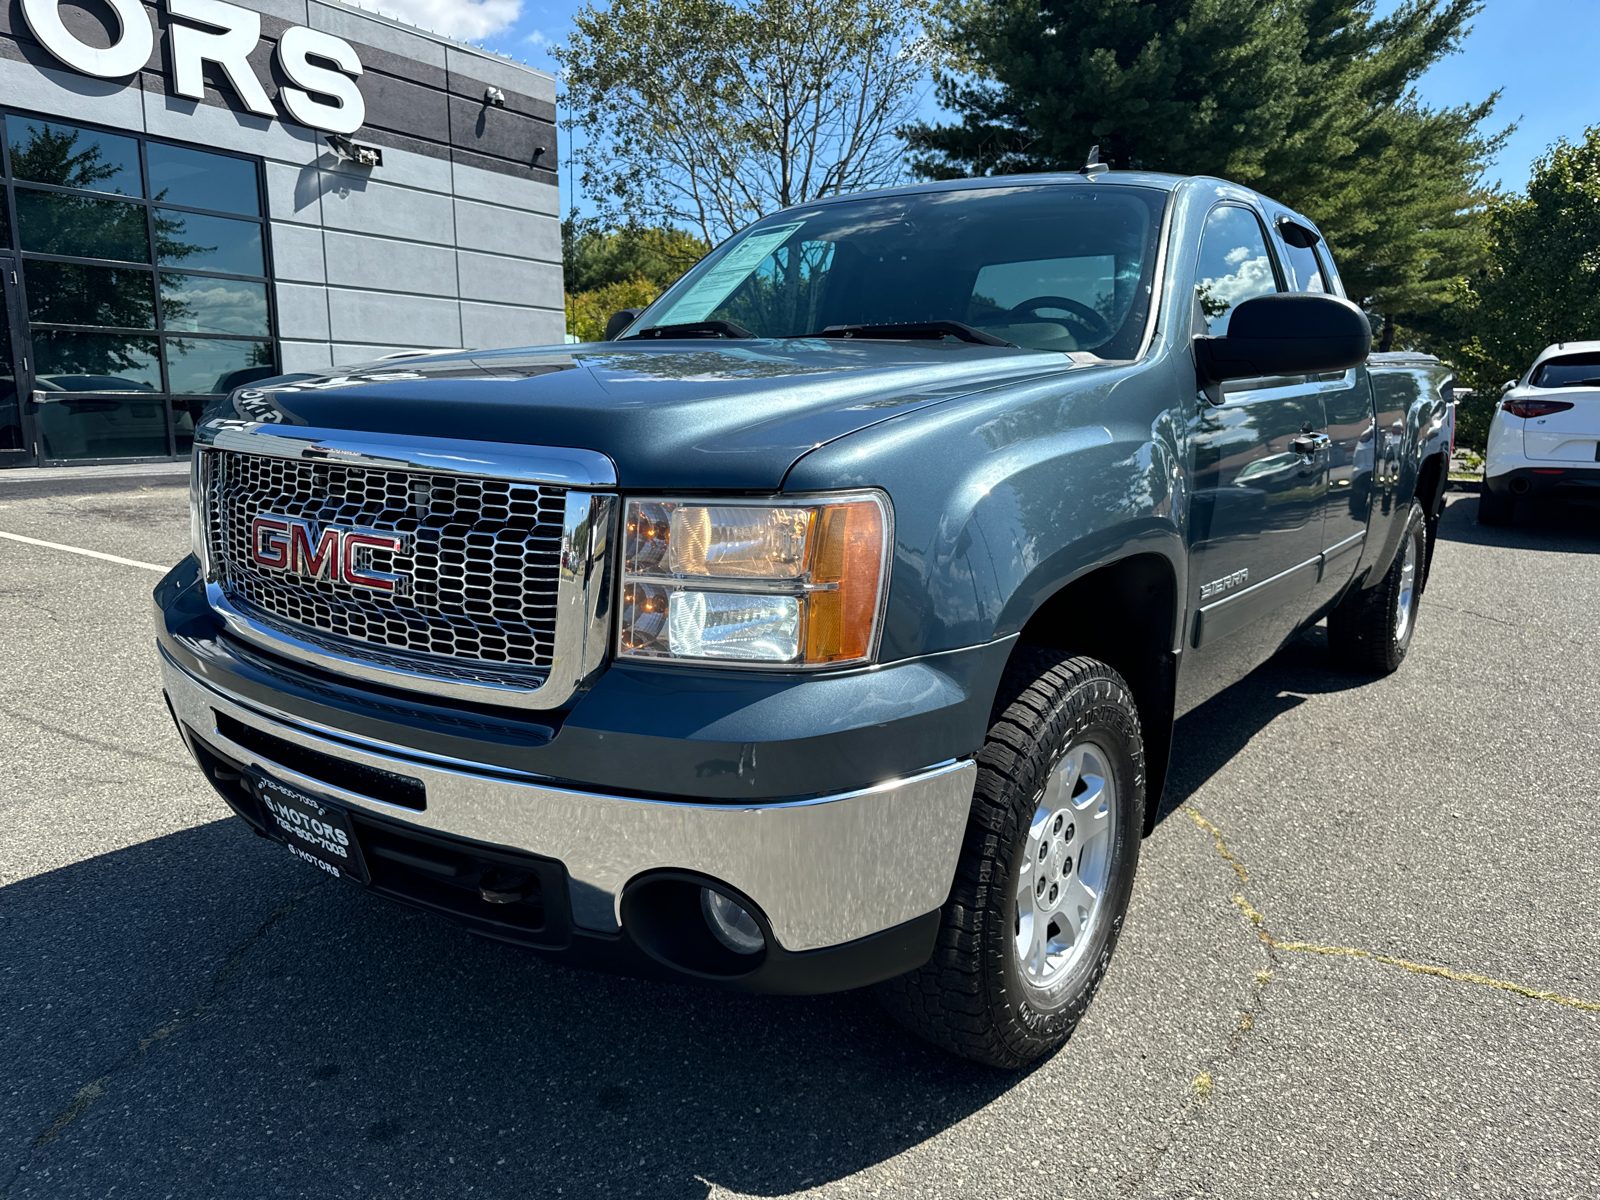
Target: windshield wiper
{"x":694,"y":329}
{"x":1582,"y":383}
{"x":914,"y":330}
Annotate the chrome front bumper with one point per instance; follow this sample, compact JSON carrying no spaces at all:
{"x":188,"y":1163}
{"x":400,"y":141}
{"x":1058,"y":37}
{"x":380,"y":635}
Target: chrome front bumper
{"x":824,"y":871}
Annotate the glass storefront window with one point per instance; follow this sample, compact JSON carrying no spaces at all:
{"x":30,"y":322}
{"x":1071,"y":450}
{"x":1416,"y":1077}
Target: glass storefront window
{"x":202,"y":304}
{"x":63,"y":223}
{"x":195,"y":179}
{"x":66,"y":360}
{"x":63,"y":293}
{"x":47,"y":152}
{"x":134,"y":302}
{"x":199,"y":366}
{"x":201,"y":243}
{"x":102,"y":427}
{"x":11,"y":440}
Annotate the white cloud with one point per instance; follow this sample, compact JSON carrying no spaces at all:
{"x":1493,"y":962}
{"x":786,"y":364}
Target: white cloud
{"x":467,"y":20}
{"x":1220,"y":296}
{"x":537,"y":38}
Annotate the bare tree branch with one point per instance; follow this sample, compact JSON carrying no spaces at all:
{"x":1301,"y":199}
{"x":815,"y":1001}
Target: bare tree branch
{"x":713,"y":113}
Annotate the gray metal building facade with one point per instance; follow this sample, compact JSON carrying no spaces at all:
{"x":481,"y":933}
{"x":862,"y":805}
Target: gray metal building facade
{"x":112,"y":338}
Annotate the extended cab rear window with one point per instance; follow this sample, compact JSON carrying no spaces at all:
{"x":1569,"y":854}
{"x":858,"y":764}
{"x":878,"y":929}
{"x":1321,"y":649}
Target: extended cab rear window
{"x":1568,"y":370}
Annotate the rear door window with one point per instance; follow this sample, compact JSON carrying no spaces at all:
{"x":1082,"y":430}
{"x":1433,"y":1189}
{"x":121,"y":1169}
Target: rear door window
{"x":1305,"y":269}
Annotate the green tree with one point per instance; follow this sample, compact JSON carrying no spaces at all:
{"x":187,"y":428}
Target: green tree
{"x":1311,"y":101}
{"x":594,"y":257}
{"x":588,"y":312}
{"x":1540,"y":279}
{"x":708,"y":114}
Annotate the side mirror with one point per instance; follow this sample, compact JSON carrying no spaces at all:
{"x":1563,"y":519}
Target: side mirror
{"x":1507,"y":386}
{"x":620,"y":321}
{"x":1287,"y":333}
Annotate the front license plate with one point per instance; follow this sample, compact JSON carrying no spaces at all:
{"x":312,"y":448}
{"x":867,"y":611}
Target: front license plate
{"x":314,"y":831}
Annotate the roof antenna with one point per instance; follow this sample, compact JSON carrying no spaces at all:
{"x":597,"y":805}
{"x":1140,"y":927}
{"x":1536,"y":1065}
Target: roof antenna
{"x":1094,"y":166}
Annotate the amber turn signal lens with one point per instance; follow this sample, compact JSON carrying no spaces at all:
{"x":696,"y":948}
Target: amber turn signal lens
{"x":848,"y":552}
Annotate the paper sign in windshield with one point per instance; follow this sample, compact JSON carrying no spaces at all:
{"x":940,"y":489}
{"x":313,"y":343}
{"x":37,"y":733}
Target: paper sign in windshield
{"x":720,"y":282}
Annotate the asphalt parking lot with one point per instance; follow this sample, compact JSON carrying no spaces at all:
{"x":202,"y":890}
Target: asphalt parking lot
{"x":1361,"y":958}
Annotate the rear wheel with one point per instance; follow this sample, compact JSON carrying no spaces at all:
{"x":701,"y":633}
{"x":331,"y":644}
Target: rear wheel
{"x":1045,"y":872}
{"x":1371,"y":629}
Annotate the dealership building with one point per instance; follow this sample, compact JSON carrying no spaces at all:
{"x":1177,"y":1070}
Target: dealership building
{"x":199,"y":194}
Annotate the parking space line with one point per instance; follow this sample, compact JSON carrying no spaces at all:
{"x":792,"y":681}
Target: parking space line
{"x":126,"y":562}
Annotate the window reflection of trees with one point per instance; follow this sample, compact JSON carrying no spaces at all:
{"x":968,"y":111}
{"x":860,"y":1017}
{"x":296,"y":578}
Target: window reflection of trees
{"x":96,"y":326}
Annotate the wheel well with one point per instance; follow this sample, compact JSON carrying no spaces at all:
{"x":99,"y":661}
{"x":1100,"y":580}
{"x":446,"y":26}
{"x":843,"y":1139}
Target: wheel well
{"x":1122,"y":614}
{"x":1430,"y":484}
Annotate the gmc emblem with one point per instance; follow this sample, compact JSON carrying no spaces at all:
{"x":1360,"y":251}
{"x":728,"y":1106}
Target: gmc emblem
{"x":299,"y":547}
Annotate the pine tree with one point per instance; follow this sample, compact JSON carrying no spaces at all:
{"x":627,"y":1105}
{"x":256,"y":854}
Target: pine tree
{"x":1310,"y":101}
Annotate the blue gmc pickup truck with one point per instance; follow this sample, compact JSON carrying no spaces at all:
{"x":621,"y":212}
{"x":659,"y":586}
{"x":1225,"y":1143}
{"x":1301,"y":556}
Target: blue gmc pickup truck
{"x":825,"y":626}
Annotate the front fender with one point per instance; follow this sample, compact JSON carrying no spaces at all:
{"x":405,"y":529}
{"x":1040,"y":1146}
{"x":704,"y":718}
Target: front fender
{"x":1003,"y":498}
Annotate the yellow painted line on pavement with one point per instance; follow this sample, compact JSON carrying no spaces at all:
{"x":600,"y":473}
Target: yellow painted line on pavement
{"x":126,"y":562}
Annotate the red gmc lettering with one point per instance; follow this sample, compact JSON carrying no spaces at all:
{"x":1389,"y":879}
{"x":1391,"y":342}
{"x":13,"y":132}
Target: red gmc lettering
{"x":321,"y":563}
{"x":376,"y":581}
{"x":268,"y":545}
{"x":290,"y":544}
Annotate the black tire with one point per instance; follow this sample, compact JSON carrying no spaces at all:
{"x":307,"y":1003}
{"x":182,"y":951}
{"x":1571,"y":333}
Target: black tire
{"x":972,"y":997}
{"x":1365,"y":632}
{"x":1493,"y":509}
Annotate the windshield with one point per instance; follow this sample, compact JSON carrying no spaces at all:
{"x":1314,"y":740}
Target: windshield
{"x":1045,"y":266}
{"x":1571,"y":370}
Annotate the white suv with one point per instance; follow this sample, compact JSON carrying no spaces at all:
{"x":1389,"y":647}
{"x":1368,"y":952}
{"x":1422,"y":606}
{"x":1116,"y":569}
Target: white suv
{"x":1545,"y":435}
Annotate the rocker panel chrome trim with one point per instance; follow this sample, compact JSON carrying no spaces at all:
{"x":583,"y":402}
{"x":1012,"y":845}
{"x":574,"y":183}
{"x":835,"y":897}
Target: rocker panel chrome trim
{"x":824,"y":871}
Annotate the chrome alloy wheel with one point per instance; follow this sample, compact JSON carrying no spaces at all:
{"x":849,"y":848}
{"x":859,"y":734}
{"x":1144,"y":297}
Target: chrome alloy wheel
{"x":1408,"y":592}
{"x":1067,"y":864}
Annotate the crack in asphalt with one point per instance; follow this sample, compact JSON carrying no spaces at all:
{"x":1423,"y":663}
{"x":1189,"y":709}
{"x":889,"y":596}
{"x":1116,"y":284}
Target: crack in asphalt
{"x":1259,"y":920}
{"x":1522,"y":626}
{"x":1204,"y":1083}
{"x":112,"y":747}
{"x":95,"y":1088}
{"x":1201,"y":1088}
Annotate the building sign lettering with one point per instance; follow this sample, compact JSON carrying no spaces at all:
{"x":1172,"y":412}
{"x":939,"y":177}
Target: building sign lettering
{"x":324,"y":97}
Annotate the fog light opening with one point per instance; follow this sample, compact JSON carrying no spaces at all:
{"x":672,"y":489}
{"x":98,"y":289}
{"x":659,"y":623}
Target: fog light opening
{"x":730,"y":924}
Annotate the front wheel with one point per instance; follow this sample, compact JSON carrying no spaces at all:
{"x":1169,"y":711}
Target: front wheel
{"x":1046,"y":869}
{"x":1370,"y":631}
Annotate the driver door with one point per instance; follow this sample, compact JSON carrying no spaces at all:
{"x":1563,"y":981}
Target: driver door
{"x":1259,"y":466}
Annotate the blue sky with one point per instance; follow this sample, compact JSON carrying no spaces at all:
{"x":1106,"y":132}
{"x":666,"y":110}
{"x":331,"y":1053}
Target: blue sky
{"x":1544,"y":55}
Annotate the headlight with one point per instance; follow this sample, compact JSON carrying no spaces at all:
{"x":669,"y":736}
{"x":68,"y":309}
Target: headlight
{"x":796,"y":584}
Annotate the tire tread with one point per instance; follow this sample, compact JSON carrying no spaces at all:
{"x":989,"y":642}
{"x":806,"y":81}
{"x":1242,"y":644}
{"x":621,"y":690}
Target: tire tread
{"x":948,"y":1000}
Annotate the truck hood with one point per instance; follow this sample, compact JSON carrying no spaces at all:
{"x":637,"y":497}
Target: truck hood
{"x":682,"y":414}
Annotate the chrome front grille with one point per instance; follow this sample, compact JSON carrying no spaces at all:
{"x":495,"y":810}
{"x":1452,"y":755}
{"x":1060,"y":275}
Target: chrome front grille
{"x":479,"y":564}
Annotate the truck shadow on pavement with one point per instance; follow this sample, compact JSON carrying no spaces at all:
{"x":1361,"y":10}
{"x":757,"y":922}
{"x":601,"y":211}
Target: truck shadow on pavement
{"x":198,"y":1015}
{"x":1208,"y":737}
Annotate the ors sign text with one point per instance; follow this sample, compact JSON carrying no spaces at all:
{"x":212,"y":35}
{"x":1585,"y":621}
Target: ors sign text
{"x":324,"y":95}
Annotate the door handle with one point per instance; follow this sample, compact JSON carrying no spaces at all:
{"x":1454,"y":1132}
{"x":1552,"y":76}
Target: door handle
{"x":1310,"y":443}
